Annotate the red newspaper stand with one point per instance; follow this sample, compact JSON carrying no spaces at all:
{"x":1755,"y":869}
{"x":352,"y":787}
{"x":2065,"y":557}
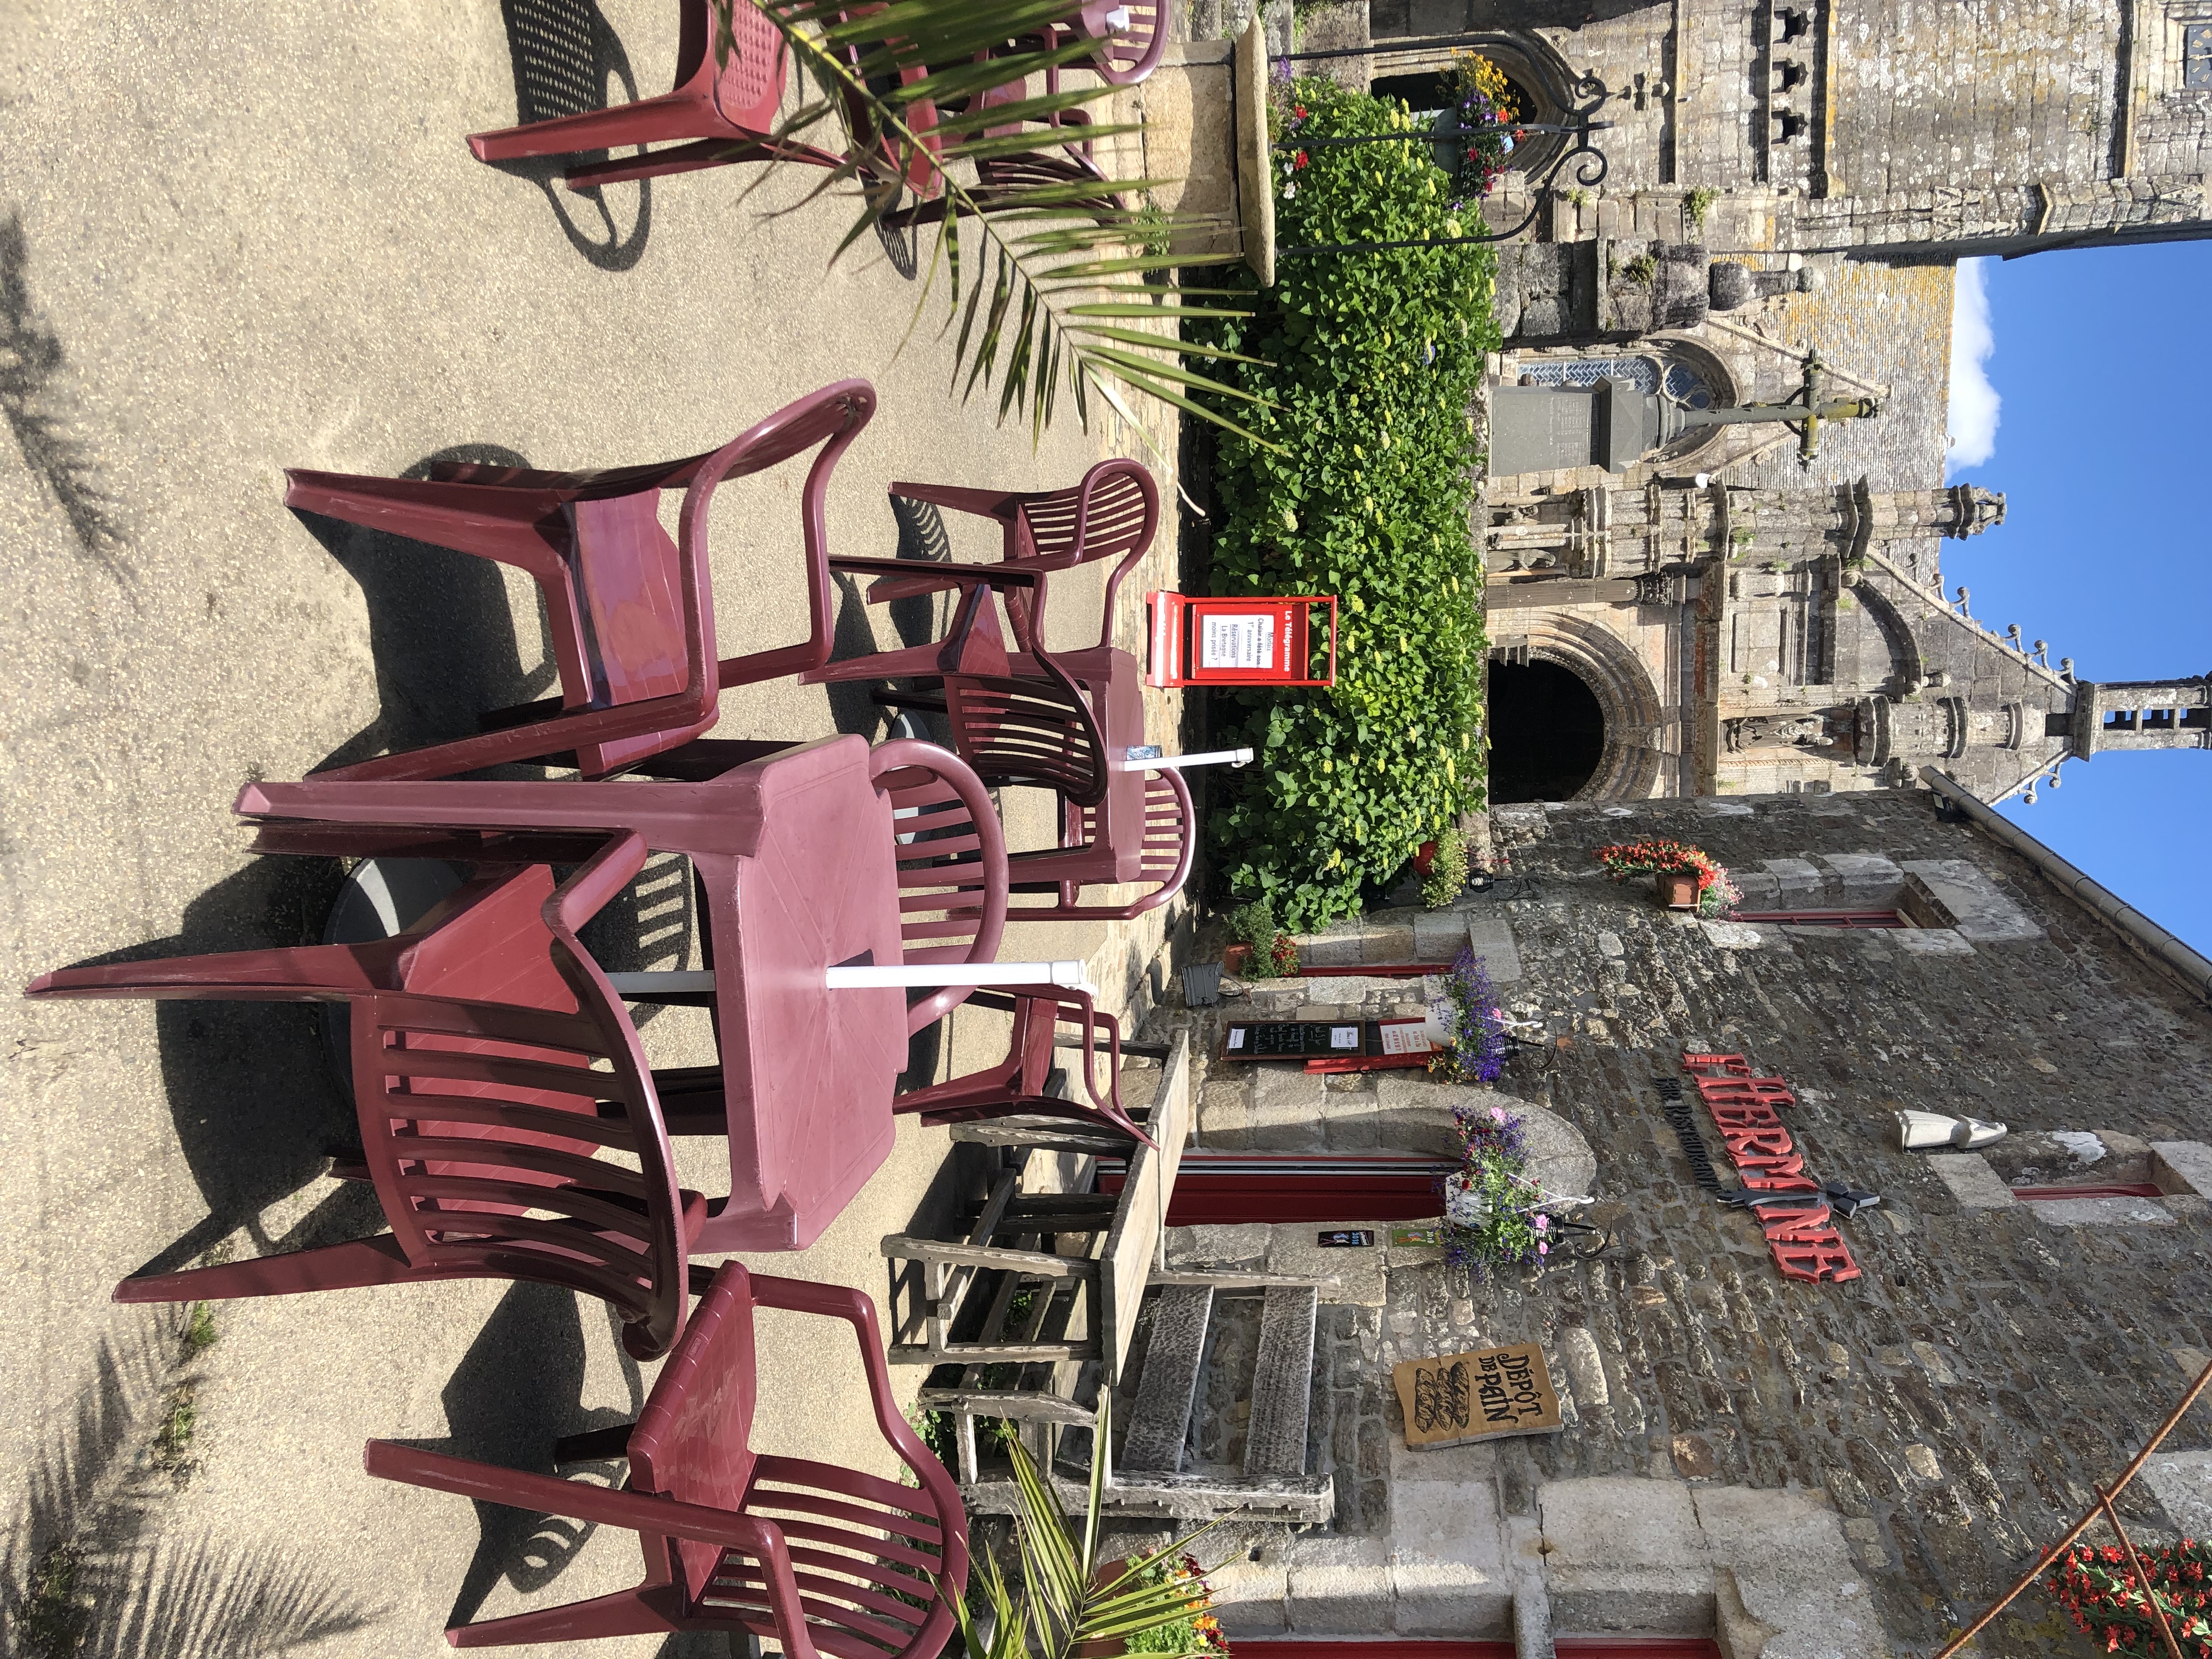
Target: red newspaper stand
{"x":1263,"y":641}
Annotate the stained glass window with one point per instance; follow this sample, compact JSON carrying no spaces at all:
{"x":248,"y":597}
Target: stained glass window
{"x":2197,"y":56}
{"x":1641,"y":372}
{"x":1687,"y":387}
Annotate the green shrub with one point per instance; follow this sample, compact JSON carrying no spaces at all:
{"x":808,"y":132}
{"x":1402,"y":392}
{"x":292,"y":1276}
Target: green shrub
{"x":1371,"y":361}
{"x":1253,"y":923}
{"x":1447,"y":876}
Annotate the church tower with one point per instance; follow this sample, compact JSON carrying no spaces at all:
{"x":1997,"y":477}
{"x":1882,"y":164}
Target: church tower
{"x":2140,"y":714}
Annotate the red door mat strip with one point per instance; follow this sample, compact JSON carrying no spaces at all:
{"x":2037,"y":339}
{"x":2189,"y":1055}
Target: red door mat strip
{"x":1568,"y":1647}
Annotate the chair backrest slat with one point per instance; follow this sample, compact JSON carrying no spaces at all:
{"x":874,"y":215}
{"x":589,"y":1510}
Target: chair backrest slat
{"x":1037,"y":732}
{"x":951,"y":866}
{"x":430,"y":1157}
{"x":461,"y":1164}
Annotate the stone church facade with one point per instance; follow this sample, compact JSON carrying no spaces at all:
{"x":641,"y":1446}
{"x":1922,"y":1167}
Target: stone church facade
{"x":1785,"y":179}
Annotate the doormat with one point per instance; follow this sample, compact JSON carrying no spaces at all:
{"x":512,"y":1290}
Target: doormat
{"x":1488,"y":1395}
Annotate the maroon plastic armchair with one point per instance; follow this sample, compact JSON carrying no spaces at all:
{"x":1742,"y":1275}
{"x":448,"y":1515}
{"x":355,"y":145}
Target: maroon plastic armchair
{"x":1018,"y":1083}
{"x":816,"y":1557}
{"x":631,"y":612}
{"x":718,"y":113}
{"x":1128,"y":37}
{"x":476,"y":1038}
{"x":1114,"y":511}
{"x":1089,"y":854}
{"x":951,"y":856}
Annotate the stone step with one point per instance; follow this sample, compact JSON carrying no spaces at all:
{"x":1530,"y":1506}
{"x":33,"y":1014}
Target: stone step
{"x":1160,"y":1422}
{"x":1282,"y":1383}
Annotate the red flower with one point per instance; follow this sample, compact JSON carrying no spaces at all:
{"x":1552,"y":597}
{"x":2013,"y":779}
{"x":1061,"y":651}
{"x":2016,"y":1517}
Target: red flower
{"x":1299,"y":162}
{"x":1298,"y":110}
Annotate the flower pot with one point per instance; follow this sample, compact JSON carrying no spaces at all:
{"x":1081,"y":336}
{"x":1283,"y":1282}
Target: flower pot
{"x":1678,"y":889}
{"x":1235,"y":960}
{"x":1425,"y":858}
{"x":1106,"y":1573}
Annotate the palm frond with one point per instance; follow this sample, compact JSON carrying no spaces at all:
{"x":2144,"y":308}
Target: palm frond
{"x":1063,"y":1604}
{"x":906,"y":83}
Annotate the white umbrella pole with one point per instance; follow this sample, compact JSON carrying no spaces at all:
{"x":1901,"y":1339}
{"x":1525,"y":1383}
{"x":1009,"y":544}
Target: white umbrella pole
{"x":1161,"y":763}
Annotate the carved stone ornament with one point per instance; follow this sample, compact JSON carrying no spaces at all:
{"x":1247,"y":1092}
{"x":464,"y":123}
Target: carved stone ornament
{"x":1813,"y":731}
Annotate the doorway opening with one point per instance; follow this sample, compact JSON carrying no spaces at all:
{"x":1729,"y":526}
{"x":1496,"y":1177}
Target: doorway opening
{"x":1432,"y":90}
{"x":1547,"y":732}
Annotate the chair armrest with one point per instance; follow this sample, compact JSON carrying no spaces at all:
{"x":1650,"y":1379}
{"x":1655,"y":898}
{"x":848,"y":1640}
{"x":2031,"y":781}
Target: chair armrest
{"x":582,"y":897}
{"x":989,"y":575}
{"x":638,"y":1512}
{"x":983,"y":503}
{"x":842,"y":1302}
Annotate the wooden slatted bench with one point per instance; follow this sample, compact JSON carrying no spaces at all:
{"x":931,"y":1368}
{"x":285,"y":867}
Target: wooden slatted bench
{"x":1063,"y":1320}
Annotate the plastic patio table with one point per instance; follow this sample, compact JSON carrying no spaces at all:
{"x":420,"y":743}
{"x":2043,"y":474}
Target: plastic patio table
{"x":796,"y":854}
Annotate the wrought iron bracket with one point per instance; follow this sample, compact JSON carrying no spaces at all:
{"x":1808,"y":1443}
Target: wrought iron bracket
{"x":1589,"y":95}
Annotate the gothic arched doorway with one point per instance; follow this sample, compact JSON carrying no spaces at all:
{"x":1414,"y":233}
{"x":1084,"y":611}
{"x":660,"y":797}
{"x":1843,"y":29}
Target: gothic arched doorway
{"x":1547,"y":732}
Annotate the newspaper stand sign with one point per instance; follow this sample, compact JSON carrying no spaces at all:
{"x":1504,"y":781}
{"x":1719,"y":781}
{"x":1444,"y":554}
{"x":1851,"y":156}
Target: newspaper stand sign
{"x":1261,"y":640}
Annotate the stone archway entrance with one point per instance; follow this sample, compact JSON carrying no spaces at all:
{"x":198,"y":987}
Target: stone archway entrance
{"x":1547,"y":732}
{"x":1560,"y":679}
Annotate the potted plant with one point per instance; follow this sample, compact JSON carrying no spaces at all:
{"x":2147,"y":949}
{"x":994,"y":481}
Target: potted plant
{"x":1684,"y":877}
{"x":1443,"y":875}
{"x":2097,"y":1585}
{"x":1069,"y":1603}
{"x":1252,"y":928}
{"x":1474,"y":1024}
{"x":1491,"y":1213}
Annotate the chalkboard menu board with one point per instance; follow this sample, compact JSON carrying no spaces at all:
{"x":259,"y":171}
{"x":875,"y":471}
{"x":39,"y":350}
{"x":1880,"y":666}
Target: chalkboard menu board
{"x":1322,"y":1039}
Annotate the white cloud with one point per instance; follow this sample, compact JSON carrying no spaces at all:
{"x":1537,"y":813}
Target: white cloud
{"x":1973,"y":408}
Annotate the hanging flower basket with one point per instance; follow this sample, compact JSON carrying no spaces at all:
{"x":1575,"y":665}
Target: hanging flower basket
{"x":1474,"y":1024}
{"x":1491,"y":1213}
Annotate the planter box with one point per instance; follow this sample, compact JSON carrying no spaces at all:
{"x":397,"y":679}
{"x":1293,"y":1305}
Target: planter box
{"x":1677,"y":888}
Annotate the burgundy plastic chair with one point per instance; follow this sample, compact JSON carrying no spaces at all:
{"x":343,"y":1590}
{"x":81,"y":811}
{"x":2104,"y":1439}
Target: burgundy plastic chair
{"x":1128,"y":37}
{"x":1018,"y":1084}
{"x":816,"y":1557}
{"x":1062,"y":165}
{"x":475,"y":1039}
{"x":1113,"y":510}
{"x":631,"y":612}
{"x":949,"y":914}
{"x":716,"y":114}
{"x":1092,"y":854}
{"x":1037,"y":732}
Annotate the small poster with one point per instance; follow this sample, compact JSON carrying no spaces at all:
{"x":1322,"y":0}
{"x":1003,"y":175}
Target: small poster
{"x":1236,"y":1037}
{"x":1403,"y":1238}
{"x":1344,"y":1036}
{"x":1347,"y":1238}
{"x":1488,"y":1395}
{"x":1409,"y":1037}
{"x":1237,"y":642}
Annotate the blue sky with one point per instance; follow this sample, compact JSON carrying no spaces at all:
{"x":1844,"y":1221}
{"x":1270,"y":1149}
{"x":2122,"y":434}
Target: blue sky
{"x":2095,"y":421}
